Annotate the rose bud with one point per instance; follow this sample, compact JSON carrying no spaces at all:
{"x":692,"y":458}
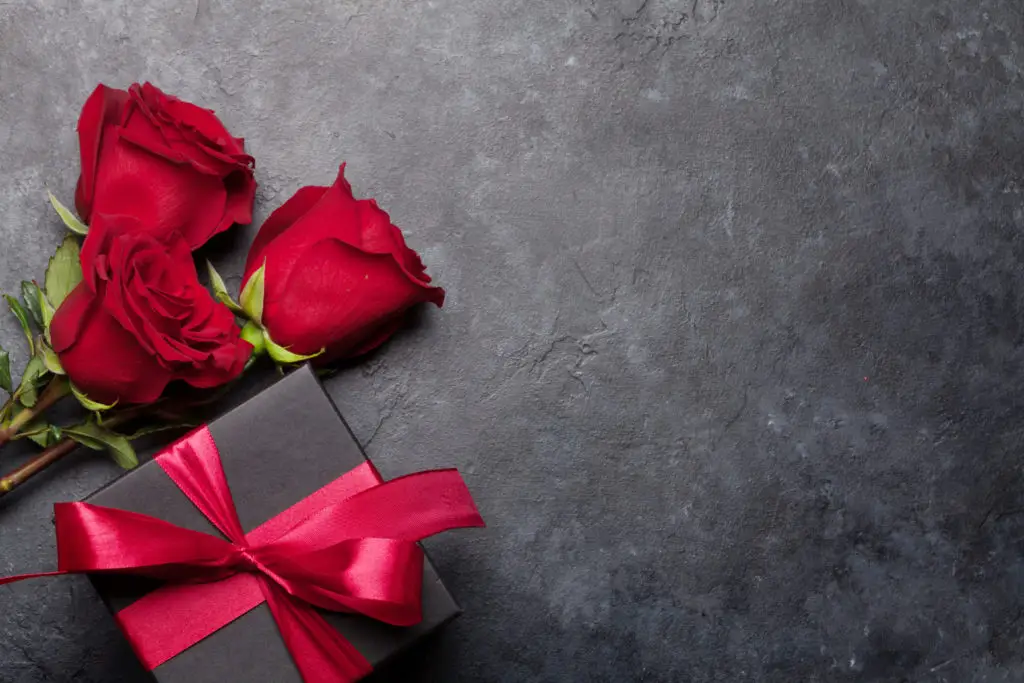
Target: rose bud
{"x":168,"y":163}
{"x":335,"y":274}
{"x":140,"y":318}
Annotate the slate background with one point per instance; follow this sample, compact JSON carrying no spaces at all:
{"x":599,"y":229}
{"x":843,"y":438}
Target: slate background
{"x":732,"y":357}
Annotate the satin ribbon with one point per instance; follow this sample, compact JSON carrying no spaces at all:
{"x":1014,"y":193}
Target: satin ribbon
{"x":349,"y":547}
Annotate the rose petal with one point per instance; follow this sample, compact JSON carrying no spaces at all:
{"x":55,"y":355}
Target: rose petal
{"x":143,"y":299}
{"x":376,"y":336}
{"x":335,"y":215}
{"x":241,"y":189}
{"x":381,"y":236}
{"x":100,"y":357}
{"x":225,"y":364}
{"x":335,"y":294}
{"x":101,"y":111}
{"x":164,"y":197}
{"x":279,"y":221}
{"x":168,"y":162}
{"x":202,"y":120}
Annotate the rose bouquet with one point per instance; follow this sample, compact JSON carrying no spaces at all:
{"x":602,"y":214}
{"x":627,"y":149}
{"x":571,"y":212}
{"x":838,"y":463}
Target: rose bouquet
{"x":121,"y":321}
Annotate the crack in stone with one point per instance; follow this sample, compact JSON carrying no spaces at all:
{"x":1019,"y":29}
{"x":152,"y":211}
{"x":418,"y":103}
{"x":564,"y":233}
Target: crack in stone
{"x":385,"y":416}
{"x":586,"y":280}
{"x":582,"y":351}
{"x":655,"y":25}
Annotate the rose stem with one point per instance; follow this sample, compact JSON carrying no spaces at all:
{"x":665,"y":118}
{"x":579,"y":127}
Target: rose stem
{"x":54,"y":391}
{"x":36,"y":464}
{"x":6,"y":408}
{"x":54,"y":453}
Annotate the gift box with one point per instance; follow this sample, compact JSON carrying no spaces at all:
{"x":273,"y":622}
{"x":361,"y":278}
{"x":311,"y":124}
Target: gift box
{"x":281,"y":447}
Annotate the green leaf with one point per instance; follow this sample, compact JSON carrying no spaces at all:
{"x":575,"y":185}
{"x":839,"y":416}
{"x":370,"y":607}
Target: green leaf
{"x":283,"y":356}
{"x":30,"y":299}
{"x":252,"y":295}
{"x":47,"y":311}
{"x":220,"y":290}
{"x":5,"y":371}
{"x":84,"y":439}
{"x":22,"y":316}
{"x":64,"y":272}
{"x":88,"y":403}
{"x":27,"y":391}
{"x":92,"y":435}
{"x":122,"y":451}
{"x":156,"y":429}
{"x":42,"y":434}
{"x":70,"y":220}
{"x":50,"y":359}
{"x":40,"y":438}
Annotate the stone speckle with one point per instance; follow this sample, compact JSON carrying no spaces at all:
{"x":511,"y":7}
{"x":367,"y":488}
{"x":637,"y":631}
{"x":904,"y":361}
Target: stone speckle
{"x":732,"y":357}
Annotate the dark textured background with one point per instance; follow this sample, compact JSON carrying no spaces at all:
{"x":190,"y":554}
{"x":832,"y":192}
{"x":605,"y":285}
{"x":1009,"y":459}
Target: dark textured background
{"x":734,"y":348}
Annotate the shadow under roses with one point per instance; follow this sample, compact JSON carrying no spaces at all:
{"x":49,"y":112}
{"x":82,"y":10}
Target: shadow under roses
{"x":224,"y":248}
{"x":417,"y":321}
{"x":182,"y":406}
{"x":199,"y":410}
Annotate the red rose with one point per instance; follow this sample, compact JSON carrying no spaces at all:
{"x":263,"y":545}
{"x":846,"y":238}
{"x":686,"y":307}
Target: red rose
{"x":338,"y":274}
{"x":140,"y":318}
{"x":166,"y":162}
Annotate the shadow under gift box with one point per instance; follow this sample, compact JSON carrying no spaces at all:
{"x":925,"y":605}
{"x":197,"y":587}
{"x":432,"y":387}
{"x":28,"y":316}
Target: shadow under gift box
{"x":277,"y":448}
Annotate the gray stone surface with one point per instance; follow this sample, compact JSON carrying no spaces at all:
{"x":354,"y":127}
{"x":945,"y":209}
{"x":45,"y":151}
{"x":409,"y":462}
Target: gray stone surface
{"x":734,"y":347}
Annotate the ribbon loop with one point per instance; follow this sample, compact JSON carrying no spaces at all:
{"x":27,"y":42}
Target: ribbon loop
{"x":378,"y":577}
{"x":91,"y":538}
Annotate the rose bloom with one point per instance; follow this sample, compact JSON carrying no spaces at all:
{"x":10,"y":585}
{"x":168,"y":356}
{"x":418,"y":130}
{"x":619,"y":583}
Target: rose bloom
{"x":141,"y":319}
{"x":168,"y":163}
{"x":338,"y":274}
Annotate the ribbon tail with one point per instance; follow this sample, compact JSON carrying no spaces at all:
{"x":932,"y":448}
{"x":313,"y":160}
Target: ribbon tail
{"x":409,"y":508}
{"x":412,"y":507}
{"x":24,"y":577}
{"x":319,"y":652}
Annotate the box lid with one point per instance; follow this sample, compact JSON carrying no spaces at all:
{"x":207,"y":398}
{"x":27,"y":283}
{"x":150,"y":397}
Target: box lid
{"x":277,"y":448}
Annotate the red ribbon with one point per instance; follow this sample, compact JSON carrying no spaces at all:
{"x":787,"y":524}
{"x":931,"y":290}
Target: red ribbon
{"x":349,"y":547}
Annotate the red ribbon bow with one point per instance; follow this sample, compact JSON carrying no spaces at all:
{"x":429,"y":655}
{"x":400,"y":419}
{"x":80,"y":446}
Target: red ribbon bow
{"x":349,"y":547}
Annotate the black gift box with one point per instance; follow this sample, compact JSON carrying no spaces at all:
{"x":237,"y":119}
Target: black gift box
{"x":277,"y":448}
